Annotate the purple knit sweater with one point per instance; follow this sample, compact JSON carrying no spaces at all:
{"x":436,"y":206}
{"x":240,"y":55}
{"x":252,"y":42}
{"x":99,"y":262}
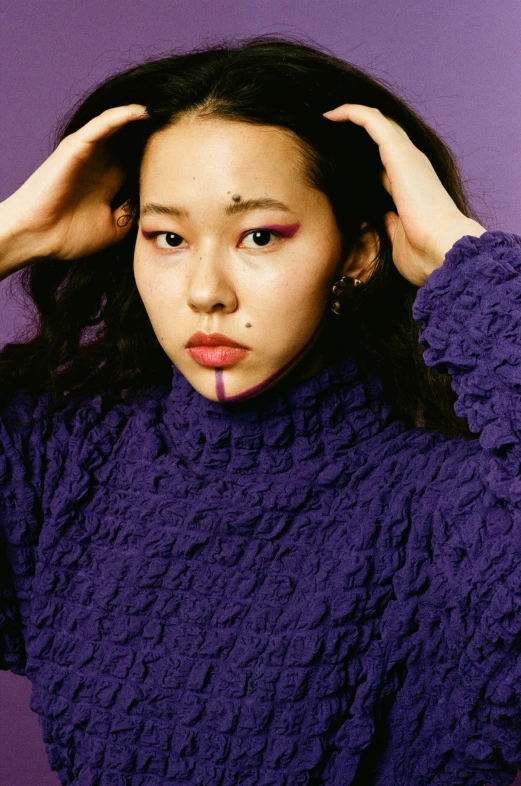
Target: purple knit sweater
{"x":293,"y":590}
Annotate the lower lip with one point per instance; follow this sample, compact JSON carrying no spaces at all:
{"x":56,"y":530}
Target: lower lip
{"x":217,"y":356}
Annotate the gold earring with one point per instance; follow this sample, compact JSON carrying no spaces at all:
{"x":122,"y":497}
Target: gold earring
{"x":342,"y":285}
{"x":339,"y":288}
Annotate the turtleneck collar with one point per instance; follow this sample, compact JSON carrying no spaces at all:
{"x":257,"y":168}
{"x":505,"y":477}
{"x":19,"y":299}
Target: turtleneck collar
{"x":331,"y":410}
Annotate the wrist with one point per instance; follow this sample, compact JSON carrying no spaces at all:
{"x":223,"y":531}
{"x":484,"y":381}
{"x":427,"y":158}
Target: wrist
{"x":467,"y":226}
{"x":460,"y":229}
{"x":18,"y":246}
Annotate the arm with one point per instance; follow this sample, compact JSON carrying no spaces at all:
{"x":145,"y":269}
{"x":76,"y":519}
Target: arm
{"x":469,"y":313}
{"x":22,"y":467}
{"x":17,"y":246}
{"x":46,"y":217}
{"x":455,"y":674}
{"x":72,"y":189}
{"x":451,"y":707}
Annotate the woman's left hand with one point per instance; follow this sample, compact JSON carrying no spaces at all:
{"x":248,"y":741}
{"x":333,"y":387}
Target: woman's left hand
{"x":428,"y":221}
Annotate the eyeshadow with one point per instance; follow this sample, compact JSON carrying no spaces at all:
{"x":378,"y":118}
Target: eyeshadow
{"x":286,"y":230}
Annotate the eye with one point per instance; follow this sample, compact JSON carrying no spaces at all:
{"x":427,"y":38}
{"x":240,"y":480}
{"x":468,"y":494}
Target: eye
{"x":168,"y":239}
{"x":261,"y":237}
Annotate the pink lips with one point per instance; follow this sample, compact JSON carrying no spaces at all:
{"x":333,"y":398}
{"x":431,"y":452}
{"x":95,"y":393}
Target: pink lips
{"x":212,"y":340}
{"x":215,"y":350}
{"x":217,"y":357}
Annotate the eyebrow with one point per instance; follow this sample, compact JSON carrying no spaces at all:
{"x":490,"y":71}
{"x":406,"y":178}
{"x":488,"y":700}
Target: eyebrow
{"x":152,"y":208}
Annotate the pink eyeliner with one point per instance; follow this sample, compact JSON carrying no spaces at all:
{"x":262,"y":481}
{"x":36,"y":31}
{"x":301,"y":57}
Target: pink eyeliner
{"x":286,"y":230}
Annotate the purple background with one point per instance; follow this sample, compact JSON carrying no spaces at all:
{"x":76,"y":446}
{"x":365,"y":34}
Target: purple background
{"x":458,"y":63}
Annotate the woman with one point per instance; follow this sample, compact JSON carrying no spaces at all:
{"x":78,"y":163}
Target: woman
{"x":248,"y":536}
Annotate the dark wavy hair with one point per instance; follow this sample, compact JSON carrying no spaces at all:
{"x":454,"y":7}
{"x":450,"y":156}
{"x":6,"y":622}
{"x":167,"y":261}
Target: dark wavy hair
{"x":91,"y":332}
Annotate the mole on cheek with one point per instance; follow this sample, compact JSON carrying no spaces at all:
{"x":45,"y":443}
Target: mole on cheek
{"x":248,"y":324}
{"x":219,"y":375}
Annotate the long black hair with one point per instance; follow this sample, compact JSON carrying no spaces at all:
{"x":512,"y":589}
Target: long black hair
{"x":91,"y":331}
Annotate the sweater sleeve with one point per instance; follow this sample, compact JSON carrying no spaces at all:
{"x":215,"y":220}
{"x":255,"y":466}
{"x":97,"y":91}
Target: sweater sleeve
{"x":469,"y":314}
{"x":22,"y":465}
{"x":456,"y":717}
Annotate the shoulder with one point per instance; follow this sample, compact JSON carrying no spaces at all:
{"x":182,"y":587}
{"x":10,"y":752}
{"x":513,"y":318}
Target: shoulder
{"x":100,"y":419}
{"x":84,"y":427}
{"x":424,"y":465}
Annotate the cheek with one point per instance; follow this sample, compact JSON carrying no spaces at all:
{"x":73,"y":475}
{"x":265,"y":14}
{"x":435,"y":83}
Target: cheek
{"x":305,"y":294}
{"x":155,"y":303}
{"x":302,"y":284}
{"x":286,"y":317}
{"x":157,"y":289}
{"x":141,"y":277}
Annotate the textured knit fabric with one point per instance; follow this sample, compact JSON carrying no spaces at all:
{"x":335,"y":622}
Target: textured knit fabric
{"x":293,"y":590}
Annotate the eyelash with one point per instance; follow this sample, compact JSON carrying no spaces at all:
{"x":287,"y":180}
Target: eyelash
{"x":154,"y":235}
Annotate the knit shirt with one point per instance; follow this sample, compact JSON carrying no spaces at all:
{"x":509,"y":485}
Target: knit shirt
{"x":293,"y":590}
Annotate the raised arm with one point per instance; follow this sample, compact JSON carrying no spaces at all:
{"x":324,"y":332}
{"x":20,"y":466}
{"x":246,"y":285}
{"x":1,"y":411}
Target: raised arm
{"x":454,"y":641}
{"x":451,"y":706}
{"x":469,"y":313}
{"x":64,"y":209}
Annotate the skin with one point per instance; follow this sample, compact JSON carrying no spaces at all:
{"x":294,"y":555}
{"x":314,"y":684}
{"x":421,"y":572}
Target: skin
{"x":64,"y":211}
{"x":217,"y":278}
{"x":427,"y":222}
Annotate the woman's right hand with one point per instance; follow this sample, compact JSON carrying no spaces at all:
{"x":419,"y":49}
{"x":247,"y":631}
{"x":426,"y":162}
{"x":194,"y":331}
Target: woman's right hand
{"x":64,"y":209}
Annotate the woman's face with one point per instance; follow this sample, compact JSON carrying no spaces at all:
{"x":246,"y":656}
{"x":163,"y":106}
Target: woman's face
{"x":233,"y":241}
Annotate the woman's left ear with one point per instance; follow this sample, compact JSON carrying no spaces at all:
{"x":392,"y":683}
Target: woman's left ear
{"x":365,"y":251}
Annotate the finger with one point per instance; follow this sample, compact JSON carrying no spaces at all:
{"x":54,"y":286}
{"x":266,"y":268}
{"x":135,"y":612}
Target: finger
{"x":397,"y":152}
{"x":109,"y":121}
{"x":123,"y":214}
{"x":122,"y":221}
{"x":373,"y":120}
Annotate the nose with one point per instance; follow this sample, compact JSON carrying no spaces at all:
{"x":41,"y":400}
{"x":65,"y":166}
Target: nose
{"x":210,"y":287}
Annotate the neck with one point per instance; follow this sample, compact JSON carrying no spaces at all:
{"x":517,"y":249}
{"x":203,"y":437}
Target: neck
{"x":279,"y":427}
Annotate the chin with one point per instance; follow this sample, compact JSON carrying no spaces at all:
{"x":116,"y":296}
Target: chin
{"x":223,"y":385}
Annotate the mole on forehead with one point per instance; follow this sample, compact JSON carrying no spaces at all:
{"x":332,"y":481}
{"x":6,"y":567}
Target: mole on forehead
{"x":236,"y":197}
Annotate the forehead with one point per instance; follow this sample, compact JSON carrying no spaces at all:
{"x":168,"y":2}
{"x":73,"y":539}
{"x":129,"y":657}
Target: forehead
{"x":209,"y":145}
